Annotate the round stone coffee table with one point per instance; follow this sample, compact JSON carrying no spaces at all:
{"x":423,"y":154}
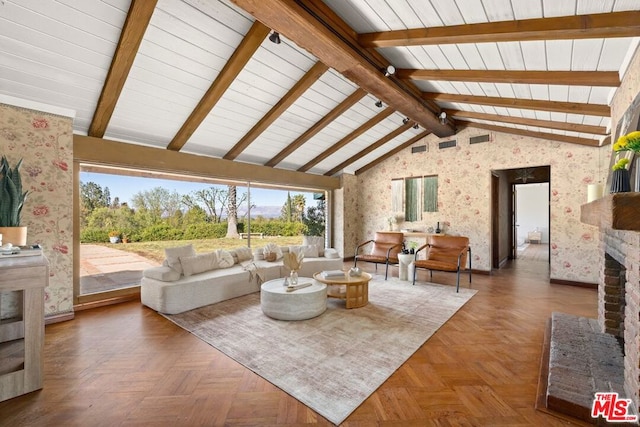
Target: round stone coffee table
{"x":300,"y":304}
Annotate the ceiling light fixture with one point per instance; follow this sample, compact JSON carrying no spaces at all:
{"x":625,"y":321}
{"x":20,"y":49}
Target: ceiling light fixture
{"x":389,"y":71}
{"x":405,"y":120}
{"x":275,"y":37}
{"x":443,"y":117}
{"x":379,"y":103}
{"x":416,"y":126}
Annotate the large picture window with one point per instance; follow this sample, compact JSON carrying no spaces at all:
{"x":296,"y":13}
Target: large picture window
{"x":414,"y":195}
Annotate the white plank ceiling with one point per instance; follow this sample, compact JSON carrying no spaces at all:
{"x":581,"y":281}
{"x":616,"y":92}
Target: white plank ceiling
{"x":59,"y":52}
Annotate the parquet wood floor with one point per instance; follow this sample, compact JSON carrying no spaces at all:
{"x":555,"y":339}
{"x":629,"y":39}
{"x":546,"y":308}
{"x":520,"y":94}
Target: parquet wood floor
{"x":124,"y":365}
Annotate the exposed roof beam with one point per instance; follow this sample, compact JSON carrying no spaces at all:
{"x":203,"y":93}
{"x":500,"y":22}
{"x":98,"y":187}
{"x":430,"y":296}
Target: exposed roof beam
{"x":572,"y":78}
{"x":294,"y":20}
{"x":543,"y":135}
{"x":243,"y":53}
{"x":347,"y":139}
{"x":599,"y":110}
{"x":349,"y":102}
{"x":276,"y":111}
{"x":104,"y":152}
{"x":392,"y":152}
{"x":602,"y":25}
{"x":379,"y":143}
{"x":135,"y":25}
{"x":550,"y":124}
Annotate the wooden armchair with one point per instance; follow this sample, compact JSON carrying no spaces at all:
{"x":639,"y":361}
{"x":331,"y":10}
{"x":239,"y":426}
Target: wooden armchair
{"x":385,"y":249}
{"x":445,"y":253}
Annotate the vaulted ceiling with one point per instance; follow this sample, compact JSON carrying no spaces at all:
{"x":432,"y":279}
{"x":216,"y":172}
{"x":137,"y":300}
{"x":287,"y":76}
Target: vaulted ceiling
{"x":203,"y":76}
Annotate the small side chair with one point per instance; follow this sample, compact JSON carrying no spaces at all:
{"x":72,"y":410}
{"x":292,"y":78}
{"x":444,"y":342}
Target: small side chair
{"x":445,"y":253}
{"x":386,"y":245}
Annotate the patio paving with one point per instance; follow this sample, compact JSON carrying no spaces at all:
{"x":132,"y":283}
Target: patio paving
{"x":103,"y":268}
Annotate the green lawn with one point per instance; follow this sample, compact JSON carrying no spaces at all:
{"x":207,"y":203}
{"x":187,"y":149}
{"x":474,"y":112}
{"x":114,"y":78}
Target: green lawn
{"x":155,"y":250}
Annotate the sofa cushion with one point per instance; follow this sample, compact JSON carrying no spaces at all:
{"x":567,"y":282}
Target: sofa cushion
{"x":163,"y":273}
{"x":198,"y":263}
{"x":173,"y":256}
{"x":224,"y":259}
{"x":317,"y":241}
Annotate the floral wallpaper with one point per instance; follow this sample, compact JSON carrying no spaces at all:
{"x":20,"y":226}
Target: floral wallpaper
{"x":45,"y":143}
{"x":464,"y":179}
{"x":464,"y":188}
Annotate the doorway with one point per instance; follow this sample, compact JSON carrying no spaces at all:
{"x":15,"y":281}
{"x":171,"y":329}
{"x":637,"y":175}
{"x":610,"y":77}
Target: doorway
{"x":531,"y":216}
{"x":520,"y":222}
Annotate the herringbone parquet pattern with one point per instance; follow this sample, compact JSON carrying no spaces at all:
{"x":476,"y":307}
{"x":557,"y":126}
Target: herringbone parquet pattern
{"x":124,"y":365}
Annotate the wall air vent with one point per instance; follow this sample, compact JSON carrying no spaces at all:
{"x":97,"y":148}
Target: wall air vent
{"x":447,"y":144}
{"x":478,"y":139}
{"x":418,"y":149}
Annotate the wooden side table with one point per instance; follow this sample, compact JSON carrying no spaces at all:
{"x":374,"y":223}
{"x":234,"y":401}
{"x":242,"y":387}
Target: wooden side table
{"x":22,"y":332}
{"x":356,"y":289}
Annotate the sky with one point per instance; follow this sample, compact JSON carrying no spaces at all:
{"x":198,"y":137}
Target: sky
{"x":124,"y":187}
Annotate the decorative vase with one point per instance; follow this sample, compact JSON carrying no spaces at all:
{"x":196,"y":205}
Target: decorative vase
{"x":620,"y":181}
{"x":293,"y":278}
{"x":17,"y":236}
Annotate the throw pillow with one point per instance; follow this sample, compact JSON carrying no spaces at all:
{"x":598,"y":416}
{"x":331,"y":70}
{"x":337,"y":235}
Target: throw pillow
{"x":225,"y":259}
{"x":258,"y":254}
{"x":273,"y":248}
{"x":244,"y":254}
{"x":198,"y":263}
{"x":314,"y":240}
{"x":311,"y":251}
{"x":173,"y":256}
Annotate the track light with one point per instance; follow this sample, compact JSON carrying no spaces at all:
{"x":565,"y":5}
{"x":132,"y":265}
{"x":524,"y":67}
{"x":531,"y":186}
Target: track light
{"x":389,"y":71}
{"x":275,"y":37}
{"x":416,"y":126}
{"x":443,"y":117}
{"x":405,"y":120}
{"x":379,"y":103}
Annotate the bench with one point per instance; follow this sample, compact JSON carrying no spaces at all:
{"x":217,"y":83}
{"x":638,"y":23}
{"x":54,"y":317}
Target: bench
{"x":246,"y":235}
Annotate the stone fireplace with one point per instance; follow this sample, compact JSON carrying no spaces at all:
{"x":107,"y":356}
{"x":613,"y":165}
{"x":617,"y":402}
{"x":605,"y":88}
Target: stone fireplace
{"x":618,"y":218}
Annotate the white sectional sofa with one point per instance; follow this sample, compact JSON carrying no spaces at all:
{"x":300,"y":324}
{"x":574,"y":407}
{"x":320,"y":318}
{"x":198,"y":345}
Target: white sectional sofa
{"x":187,"y":280}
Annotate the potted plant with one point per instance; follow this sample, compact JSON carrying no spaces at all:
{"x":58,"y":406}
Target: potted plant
{"x":12,"y":200}
{"x":114,"y":236}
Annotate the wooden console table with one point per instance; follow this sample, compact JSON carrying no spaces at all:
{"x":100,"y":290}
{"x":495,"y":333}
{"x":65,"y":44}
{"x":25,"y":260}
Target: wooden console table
{"x":22,"y":334}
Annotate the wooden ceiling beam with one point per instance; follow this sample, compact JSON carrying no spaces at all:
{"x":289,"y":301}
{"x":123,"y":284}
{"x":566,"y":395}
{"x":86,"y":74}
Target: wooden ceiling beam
{"x":550,"y":124}
{"x":103,"y":152}
{"x":135,"y":25}
{"x":543,"y":135}
{"x":243,"y":53}
{"x":379,"y":143}
{"x":349,"y":102}
{"x":392,"y":152}
{"x":295,"y":21}
{"x":347,"y":139}
{"x":571,"y":78}
{"x":575,"y":27}
{"x":599,"y":110}
{"x":301,"y":86}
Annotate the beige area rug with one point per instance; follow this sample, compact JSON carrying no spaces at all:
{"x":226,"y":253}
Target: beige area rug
{"x":333,"y":362}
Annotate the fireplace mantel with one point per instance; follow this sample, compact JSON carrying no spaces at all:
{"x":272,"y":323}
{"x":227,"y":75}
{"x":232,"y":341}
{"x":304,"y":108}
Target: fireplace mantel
{"x":618,"y":211}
